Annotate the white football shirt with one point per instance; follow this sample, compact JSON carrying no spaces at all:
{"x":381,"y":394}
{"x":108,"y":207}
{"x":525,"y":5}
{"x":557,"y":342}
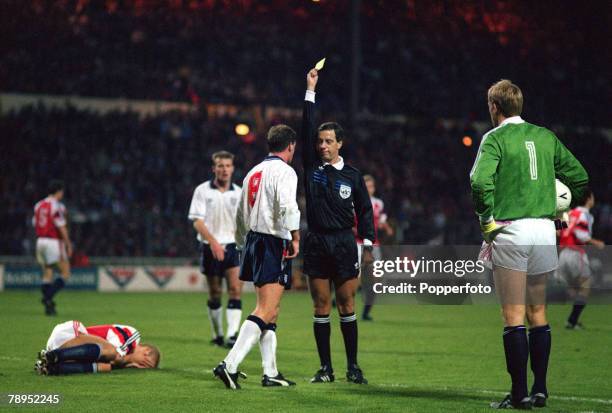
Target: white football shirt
{"x":217,"y":209}
{"x":268,"y":204}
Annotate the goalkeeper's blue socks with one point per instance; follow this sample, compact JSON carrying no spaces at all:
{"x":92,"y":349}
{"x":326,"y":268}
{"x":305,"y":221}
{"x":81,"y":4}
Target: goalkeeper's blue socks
{"x":84,"y":352}
{"x":517,"y":355}
{"x":539,"y":352}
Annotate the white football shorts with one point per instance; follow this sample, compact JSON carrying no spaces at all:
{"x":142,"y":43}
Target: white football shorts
{"x":528,"y":246}
{"x":573,"y":264}
{"x":50,"y":251}
{"x":65,"y":332}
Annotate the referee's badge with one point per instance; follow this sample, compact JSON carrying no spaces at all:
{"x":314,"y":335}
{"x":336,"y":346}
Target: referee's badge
{"x":345,"y":191}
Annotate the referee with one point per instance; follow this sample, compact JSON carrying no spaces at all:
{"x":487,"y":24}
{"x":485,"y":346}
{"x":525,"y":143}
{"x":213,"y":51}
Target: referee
{"x":335,"y":194}
{"x":513,"y":188}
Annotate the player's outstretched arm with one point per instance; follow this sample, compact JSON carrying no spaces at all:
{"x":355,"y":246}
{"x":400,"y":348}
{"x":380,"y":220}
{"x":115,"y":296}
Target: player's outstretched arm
{"x":308,"y":130}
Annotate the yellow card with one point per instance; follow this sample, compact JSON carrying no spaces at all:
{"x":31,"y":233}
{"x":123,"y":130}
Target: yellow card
{"x":320,"y":64}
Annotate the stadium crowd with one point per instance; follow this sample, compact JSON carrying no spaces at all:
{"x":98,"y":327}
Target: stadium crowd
{"x":433,"y":56}
{"x":130,"y":179}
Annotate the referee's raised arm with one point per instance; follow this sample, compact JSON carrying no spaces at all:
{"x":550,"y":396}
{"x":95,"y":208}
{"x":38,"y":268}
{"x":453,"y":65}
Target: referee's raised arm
{"x":310,"y":156}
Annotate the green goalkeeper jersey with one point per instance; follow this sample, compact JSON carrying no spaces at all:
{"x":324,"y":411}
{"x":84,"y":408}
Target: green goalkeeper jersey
{"x":514,"y":172}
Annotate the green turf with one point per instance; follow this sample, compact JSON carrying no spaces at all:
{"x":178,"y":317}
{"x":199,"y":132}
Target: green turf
{"x":417,"y":358}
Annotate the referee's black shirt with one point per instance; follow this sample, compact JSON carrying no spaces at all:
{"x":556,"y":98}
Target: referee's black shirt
{"x":333,"y":197}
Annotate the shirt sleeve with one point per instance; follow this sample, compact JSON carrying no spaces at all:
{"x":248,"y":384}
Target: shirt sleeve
{"x":570,"y":171}
{"x":581,"y":228}
{"x":364,"y":212}
{"x":59,"y":218}
{"x":197,"y":209}
{"x":287,"y":202}
{"x":309,"y":156}
{"x":383,"y":215}
{"x":241,"y":224}
{"x":482,"y":177}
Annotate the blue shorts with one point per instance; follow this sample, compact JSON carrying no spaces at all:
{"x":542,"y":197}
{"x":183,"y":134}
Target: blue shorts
{"x":262,"y":261}
{"x":210,"y":267}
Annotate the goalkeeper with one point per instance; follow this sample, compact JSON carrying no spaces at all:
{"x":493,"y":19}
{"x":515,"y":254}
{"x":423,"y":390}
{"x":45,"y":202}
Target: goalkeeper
{"x":513,"y":189}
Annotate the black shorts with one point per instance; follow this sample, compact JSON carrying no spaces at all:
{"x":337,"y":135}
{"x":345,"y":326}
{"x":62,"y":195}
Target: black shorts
{"x":210,"y":267}
{"x":263,"y":260}
{"x":331,"y":255}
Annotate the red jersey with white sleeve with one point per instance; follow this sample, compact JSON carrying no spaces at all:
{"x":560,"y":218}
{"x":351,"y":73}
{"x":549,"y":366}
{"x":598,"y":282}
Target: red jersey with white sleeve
{"x":49,"y":214}
{"x":380,"y":217}
{"x":124,"y":338}
{"x":579,"y":229}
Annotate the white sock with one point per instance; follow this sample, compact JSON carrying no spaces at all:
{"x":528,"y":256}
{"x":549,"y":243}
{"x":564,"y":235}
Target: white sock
{"x":267,"y":346}
{"x":216,"y":321}
{"x":233,"y":316}
{"x":248,"y":336}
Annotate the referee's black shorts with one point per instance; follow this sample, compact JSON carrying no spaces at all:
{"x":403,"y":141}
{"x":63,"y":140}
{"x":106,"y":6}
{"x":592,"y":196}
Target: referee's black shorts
{"x":331,"y":254}
{"x":210,"y":267}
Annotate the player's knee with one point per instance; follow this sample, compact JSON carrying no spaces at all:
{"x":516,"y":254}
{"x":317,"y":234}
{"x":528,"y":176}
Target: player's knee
{"x":215,"y":293}
{"x":346,"y":308}
{"x":536,"y":315}
{"x":322,"y":305}
{"x":234,"y":291}
{"x":513,"y":316}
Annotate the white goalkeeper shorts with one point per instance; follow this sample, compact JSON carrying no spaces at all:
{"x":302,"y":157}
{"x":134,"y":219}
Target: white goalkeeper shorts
{"x":50,"y":251}
{"x":65,"y":332}
{"x":530,"y":245}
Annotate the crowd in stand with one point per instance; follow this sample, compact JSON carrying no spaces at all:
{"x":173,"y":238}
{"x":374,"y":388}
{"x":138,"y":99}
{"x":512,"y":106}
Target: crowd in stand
{"x":130,"y":179}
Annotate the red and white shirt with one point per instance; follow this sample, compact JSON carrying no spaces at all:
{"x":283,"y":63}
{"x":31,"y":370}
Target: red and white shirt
{"x":579,"y":229}
{"x":380,"y":217}
{"x":49,"y":214}
{"x":124,"y":338}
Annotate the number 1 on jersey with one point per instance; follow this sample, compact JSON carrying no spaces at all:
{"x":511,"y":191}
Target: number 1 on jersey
{"x":533,"y":160}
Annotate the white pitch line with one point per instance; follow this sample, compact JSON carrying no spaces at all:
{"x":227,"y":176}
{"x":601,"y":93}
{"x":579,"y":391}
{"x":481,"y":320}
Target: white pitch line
{"x":501,"y":393}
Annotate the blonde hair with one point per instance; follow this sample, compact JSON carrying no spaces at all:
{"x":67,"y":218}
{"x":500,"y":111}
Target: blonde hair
{"x":222,"y":155}
{"x":368,"y":177}
{"x":507,"y":96}
{"x":155,"y":354}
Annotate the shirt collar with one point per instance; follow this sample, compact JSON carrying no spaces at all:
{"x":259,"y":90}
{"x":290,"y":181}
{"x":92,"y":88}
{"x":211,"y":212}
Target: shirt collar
{"x":338,"y":165}
{"x":271,"y":157}
{"x":512,"y":119}
{"x":213,"y":186}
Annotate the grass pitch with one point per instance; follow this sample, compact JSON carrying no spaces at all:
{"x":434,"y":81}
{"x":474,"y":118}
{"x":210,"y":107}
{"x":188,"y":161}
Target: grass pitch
{"x":417,"y":358}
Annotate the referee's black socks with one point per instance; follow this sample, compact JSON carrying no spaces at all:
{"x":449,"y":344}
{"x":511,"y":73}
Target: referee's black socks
{"x":322,"y":333}
{"x":539,"y":352}
{"x":348,"y":325}
{"x":517,"y":354}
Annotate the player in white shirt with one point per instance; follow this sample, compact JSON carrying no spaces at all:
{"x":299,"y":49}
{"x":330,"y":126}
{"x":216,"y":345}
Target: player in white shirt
{"x":213,"y":212}
{"x":267,"y":233}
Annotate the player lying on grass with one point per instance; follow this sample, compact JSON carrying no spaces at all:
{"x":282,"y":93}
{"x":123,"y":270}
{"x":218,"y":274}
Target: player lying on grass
{"x":73,"y":348}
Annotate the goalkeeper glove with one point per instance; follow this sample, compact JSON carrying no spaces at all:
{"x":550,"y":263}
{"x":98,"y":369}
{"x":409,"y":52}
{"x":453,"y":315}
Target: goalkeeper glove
{"x":490,"y":229}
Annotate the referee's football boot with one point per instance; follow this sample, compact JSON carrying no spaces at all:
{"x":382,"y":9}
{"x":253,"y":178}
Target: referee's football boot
{"x":276,"y":381}
{"x":323,"y":375}
{"x":355,"y":375}
{"x":229,"y":379}
{"x":508,"y":403}
{"x":539,"y":399}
